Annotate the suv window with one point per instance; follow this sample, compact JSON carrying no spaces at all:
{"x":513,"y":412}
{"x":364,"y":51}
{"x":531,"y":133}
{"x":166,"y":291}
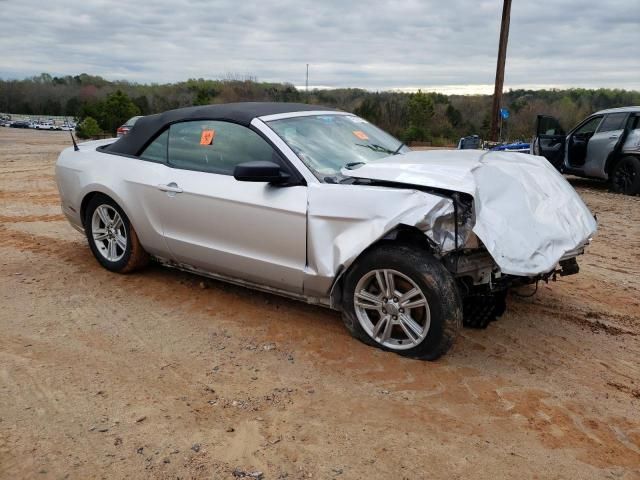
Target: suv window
{"x":613,"y":121}
{"x":216,"y":147}
{"x":157,"y":150}
{"x":589,"y":127}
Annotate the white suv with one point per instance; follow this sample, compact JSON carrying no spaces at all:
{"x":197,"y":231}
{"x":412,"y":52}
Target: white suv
{"x":606,"y":145}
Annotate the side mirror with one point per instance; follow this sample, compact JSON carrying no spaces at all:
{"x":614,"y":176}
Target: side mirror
{"x":260,"y":171}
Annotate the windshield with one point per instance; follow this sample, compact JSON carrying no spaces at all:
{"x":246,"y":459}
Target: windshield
{"x":328,"y":143}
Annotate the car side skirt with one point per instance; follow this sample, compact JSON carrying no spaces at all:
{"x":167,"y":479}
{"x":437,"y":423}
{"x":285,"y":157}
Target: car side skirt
{"x":321,"y":301}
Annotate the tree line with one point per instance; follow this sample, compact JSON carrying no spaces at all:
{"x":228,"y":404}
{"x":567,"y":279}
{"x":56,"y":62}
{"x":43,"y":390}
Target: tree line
{"x":421,"y":116}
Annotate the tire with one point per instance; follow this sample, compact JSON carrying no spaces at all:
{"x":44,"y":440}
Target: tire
{"x":127,"y":254}
{"x":435,"y":324}
{"x":625,"y":176}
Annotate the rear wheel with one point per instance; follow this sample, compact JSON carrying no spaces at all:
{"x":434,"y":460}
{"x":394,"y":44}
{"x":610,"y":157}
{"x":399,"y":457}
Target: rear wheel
{"x":625,"y":176}
{"x":402,"y":299}
{"x":112,"y":238}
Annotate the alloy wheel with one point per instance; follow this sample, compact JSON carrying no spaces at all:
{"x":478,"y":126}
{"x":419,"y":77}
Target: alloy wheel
{"x":109,"y":233}
{"x":392,"y":309}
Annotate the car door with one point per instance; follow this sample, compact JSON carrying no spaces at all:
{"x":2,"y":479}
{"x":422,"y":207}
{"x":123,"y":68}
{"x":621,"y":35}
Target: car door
{"x":254,"y":232}
{"x":139,"y":191}
{"x":550,"y":140}
{"x":603,"y":142}
{"x":578,"y":142}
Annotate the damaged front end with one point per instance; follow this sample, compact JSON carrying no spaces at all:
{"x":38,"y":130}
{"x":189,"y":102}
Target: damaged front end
{"x":495,"y":220}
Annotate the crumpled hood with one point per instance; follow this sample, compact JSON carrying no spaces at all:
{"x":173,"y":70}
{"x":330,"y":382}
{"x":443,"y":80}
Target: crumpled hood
{"x":527,"y":214}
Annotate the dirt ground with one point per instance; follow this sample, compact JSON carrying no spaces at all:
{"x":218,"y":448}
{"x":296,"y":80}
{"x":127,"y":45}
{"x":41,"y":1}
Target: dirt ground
{"x":161,"y":374}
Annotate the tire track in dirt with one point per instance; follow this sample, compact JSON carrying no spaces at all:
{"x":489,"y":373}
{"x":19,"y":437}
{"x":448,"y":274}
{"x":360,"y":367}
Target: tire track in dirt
{"x":31,"y":218}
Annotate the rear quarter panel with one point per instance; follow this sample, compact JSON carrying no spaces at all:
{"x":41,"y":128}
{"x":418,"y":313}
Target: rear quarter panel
{"x":128,"y":181}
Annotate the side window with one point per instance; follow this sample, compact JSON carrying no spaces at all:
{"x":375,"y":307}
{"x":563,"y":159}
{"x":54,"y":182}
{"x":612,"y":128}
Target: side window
{"x":613,"y":121}
{"x":215,"y":146}
{"x":157,"y":150}
{"x":589,"y":128}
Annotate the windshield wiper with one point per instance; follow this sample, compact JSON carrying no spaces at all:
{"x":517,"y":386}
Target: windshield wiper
{"x":350,"y":165}
{"x":338,"y":180}
{"x":375,"y":148}
{"x":399,"y":148}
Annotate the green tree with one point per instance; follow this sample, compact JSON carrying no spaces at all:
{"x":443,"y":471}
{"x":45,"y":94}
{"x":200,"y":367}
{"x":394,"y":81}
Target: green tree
{"x":421,"y":110}
{"x":88,"y":128}
{"x":453,"y":115}
{"x":116,"y":109}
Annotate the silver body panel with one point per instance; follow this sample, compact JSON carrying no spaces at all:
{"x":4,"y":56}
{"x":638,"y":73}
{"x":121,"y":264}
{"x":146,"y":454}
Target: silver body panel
{"x":298,"y":240}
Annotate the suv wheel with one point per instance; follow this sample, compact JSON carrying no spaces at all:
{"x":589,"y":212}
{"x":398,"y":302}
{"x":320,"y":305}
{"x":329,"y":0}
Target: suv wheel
{"x":625,"y":176}
{"x":401,"y":299}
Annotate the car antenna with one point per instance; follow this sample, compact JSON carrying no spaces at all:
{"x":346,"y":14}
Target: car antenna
{"x":75,"y":145}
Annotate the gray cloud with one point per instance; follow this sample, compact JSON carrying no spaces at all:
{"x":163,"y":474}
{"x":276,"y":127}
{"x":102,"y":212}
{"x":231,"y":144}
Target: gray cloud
{"x":374,"y":44}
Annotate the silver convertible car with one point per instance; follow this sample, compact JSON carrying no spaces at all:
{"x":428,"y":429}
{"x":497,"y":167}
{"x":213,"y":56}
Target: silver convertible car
{"x":320,"y":205}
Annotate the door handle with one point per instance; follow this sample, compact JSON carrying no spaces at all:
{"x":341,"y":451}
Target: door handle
{"x":171,"y":187}
{"x":613,"y":137}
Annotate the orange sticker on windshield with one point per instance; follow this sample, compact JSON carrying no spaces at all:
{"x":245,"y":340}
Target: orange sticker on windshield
{"x":360,"y":134}
{"x":206,"y":138}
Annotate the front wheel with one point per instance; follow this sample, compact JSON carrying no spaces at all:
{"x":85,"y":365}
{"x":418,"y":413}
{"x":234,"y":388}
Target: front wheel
{"x":402,"y":299}
{"x":111,"y":236}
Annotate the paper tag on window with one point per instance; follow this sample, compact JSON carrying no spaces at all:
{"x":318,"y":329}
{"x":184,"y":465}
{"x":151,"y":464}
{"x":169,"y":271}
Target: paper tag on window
{"x":360,"y":134}
{"x":207,"y":136}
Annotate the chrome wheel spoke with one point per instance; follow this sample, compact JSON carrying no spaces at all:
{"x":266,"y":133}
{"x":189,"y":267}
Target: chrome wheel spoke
{"x":104,"y":215}
{"x":391,"y":284}
{"x":381,"y":284}
{"x":111,"y":249}
{"x":120,"y":241}
{"x":416,"y":303}
{"x":381,"y":323}
{"x":410,"y":326}
{"x":117,"y":222}
{"x":382,"y":332}
{"x":100,"y":234}
{"x":405,"y":297}
{"x":368,"y":300}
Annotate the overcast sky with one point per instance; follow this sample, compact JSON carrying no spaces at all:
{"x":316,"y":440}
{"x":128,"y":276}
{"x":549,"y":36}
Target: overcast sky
{"x":449,"y":46}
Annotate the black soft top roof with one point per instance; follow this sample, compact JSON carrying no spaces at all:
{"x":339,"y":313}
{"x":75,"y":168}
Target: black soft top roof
{"x":146,"y":128}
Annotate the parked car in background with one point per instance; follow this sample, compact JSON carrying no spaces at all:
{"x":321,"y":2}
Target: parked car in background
{"x":322,"y":206}
{"x":518,"y":146}
{"x":20,"y":124}
{"x":605,"y":145}
{"x":44,"y":125}
{"x":124,"y":129}
{"x":470,"y":142}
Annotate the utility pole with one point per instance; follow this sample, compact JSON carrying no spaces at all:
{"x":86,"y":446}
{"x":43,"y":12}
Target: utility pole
{"x":307,"y":81}
{"x":502,"y":54}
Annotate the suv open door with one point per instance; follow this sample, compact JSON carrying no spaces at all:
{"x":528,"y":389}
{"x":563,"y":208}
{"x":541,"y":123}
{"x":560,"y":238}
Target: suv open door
{"x":550,"y":140}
